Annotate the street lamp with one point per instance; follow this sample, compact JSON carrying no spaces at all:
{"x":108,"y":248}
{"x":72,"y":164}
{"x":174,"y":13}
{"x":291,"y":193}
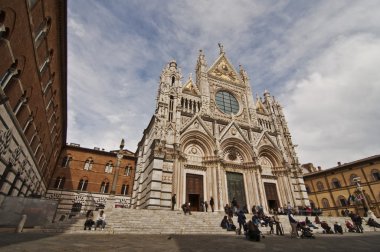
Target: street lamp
{"x":116,"y":174}
{"x":366,"y":205}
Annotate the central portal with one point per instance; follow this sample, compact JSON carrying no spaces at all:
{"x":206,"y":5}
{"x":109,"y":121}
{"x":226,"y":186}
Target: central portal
{"x":235,"y":186}
{"x":194,"y":191}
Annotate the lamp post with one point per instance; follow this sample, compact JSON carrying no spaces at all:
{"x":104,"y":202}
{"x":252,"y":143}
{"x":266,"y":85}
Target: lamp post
{"x":366,"y":205}
{"x":116,"y":174}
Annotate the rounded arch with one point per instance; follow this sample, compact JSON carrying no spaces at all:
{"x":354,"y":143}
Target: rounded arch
{"x":200,"y":139}
{"x":325,"y":203}
{"x":342,"y":201}
{"x":240,"y":148}
{"x":336,"y":183}
{"x":375,"y":174}
{"x":272,"y":154}
{"x":352,"y":176}
{"x":320,"y":186}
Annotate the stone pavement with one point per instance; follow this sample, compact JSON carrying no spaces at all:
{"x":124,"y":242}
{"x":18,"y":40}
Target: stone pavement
{"x":95,"y":241}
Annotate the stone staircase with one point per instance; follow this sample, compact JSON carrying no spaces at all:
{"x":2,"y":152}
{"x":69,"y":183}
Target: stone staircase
{"x":122,"y":220}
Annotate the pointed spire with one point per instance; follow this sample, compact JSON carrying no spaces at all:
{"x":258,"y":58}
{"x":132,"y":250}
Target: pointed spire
{"x":243,"y":74}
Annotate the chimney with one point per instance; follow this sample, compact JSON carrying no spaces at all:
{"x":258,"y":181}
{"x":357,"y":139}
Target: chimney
{"x":339,"y":163}
{"x":319,"y":168}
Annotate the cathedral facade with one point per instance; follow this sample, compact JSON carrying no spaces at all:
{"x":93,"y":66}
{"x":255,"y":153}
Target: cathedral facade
{"x":210,"y":138}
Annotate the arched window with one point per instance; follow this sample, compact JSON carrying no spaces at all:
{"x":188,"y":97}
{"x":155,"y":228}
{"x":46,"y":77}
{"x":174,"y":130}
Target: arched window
{"x":88,"y":164}
{"x":66,"y":161}
{"x":342,"y":201}
{"x":173,"y":80}
{"x":171,"y":106}
{"x":352,"y":176}
{"x":127,"y":171}
{"x":124,"y":189}
{"x":104,"y":186}
{"x":320,"y":186}
{"x":82,"y":185}
{"x":375,"y":175}
{"x":335,"y":183}
{"x":325,"y":203}
{"x":108,"y":168}
{"x":308,"y":189}
{"x":59,"y":183}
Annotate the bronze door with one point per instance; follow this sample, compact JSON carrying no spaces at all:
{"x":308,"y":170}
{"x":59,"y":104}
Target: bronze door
{"x":271,"y":194}
{"x":194,"y":191}
{"x":235,"y":186}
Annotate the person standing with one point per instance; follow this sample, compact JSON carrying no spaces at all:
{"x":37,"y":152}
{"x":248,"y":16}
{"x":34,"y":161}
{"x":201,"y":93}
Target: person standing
{"x":293,"y":224}
{"x":174,"y":201}
{"x":206,"y":205}
{"x":278,"y":225}
{"x":241,"y":220}
{"x":212,"y":204}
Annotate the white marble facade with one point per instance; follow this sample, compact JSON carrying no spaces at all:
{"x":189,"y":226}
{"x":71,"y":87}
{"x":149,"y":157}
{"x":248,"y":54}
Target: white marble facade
{"x":210,"y":129}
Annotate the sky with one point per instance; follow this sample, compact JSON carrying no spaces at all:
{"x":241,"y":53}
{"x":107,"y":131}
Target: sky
{"x":320,"y":59}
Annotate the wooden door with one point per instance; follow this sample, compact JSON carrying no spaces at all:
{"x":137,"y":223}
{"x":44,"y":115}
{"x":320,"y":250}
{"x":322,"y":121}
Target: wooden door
{"x":194,"y":191}
{"x":271,"y":194}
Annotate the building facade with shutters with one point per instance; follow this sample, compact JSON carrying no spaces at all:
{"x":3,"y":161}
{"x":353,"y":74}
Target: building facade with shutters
{"x":83,"y":179}
{"x":335,"y":189}
{"x":209,"y":138}
{"x":32,"y":94}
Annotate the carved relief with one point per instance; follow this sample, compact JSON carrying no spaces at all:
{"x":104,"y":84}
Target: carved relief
{"x":5,"y":138}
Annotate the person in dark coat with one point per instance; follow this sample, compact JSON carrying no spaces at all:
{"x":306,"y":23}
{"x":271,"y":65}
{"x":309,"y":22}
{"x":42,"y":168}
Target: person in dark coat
{"x":212,"y":204}
{"x":174,"y":201}
{"x":89,"y":220}
{"x":241,"y":220}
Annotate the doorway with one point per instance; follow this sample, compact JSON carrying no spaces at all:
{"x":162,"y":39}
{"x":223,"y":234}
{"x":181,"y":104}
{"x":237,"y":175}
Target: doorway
{"x":235,"y":186}
{"x":194,"y":191}
{"x":271,"y":194}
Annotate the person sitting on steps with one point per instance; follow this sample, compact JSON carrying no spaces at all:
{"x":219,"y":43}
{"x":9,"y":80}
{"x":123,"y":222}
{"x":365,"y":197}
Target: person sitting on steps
{"x":186,"y":208}
{"x":89,"y":220}
{"x":101,"y":221}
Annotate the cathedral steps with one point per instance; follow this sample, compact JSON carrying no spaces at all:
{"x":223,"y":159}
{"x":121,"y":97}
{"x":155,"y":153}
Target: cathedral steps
{"x":133,"y":221}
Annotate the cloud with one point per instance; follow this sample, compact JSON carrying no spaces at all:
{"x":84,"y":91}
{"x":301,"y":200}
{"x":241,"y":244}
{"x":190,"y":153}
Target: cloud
{"x":333,"y":111}
{"x":318,"y":58}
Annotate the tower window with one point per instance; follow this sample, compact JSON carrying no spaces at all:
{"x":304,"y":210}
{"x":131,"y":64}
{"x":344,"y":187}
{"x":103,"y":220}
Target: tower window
{"x":171,"y":106}
{"x":173,"y":80}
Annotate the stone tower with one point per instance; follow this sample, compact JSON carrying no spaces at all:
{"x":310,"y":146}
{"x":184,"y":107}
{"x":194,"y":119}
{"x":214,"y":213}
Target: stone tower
{"x":209,"y":138}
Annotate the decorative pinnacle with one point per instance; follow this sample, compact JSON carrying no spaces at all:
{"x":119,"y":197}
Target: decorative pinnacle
{"x":221,"y":50}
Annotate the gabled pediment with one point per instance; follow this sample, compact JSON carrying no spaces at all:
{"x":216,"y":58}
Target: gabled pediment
{"x":196,"y":123}
{"x":233,"y":131}
{"x":190,"y":88}
{"x":265,"y":139}
{"x":223,"y":69}
{"x":260,"y":108}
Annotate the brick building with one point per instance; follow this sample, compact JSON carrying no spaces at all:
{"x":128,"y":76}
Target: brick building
{"x":83,"y":178}
{"x":335,"y":189}
{"x":32,"y":95}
